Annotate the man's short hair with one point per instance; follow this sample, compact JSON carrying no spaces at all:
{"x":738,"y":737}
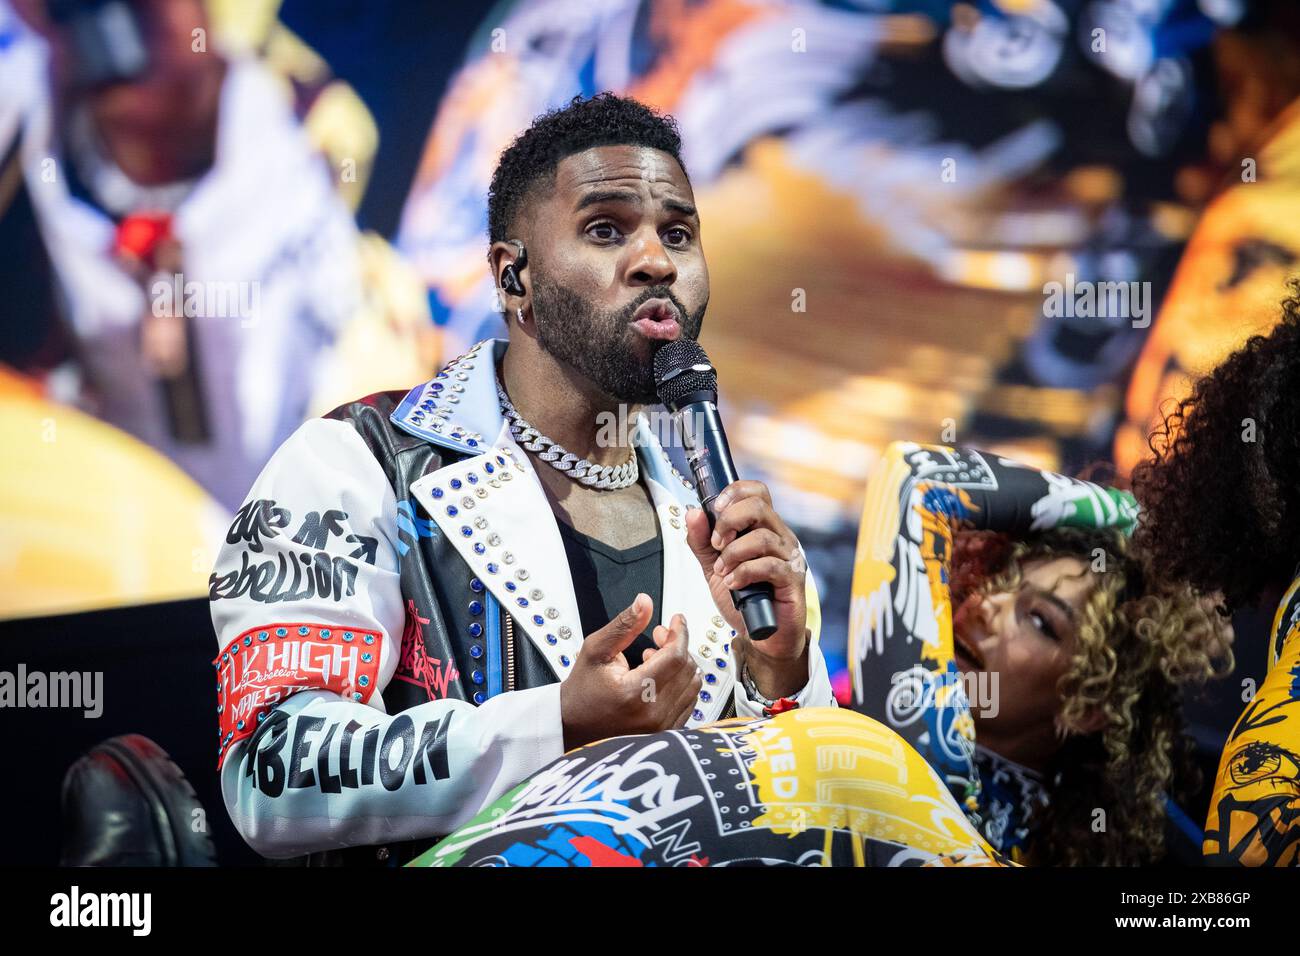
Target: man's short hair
{"x":604,"y":120}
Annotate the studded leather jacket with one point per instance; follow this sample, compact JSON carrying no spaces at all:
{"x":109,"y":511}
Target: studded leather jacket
{"x":394,"y":614}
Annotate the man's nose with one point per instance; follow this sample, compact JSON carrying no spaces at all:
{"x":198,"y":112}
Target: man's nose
{"x":649,"y":262}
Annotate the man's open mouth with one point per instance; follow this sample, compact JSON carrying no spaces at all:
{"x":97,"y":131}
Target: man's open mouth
{"x":658,"y":319}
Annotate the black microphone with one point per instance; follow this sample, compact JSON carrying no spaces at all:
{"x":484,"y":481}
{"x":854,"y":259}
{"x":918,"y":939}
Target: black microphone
{"x":687,"y":385}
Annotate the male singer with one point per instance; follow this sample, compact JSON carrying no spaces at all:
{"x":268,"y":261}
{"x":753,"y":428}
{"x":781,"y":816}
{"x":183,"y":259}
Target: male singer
{"x":428,"y":597}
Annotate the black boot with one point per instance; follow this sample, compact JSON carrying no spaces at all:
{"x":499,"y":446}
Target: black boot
{"x":125,"y":803}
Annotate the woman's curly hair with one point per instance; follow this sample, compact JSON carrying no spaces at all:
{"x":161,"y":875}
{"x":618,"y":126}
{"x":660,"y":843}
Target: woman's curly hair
{"x":1140,"y":643}
{"x":1221,"y":496}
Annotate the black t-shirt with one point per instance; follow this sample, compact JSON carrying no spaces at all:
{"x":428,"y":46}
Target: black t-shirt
{"x":605,"y":580}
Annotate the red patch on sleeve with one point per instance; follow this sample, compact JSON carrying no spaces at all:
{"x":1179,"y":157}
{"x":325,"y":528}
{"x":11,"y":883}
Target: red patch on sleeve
{"x":266,"y":665}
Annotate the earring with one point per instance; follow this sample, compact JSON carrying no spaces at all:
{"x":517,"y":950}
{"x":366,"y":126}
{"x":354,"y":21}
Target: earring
{"x":519,"y":312}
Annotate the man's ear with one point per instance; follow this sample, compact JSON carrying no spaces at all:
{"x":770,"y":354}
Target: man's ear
{"x":510,"y":258}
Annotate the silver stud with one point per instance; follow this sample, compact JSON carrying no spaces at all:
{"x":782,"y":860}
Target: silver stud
{"x":522,"y":574}
{"x":675,"y":509}
{"x":717,"y":620}
{"x":494,"y":539}
{"x":495,"y":483}
{"x":675,"y":523}
{"x":467,"y":502}
{"x":551,"y":612}
{"x":482,"y":523}
{"x":506,"y":476}
{"x":706,"y":650}
{"x":712,"y":635}
{"x":566,"y":632}
{"x":508,"y":557}
{"x":480,"y":492}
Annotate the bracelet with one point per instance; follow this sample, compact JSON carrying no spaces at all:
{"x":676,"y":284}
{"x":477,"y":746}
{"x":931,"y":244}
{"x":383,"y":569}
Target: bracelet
{"x":751,"y":688}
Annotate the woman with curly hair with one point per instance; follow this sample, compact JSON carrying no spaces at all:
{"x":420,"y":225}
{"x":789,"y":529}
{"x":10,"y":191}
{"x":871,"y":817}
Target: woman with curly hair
{"x":1111,"y":692}
{"x":1222,"y":504}
{"x":1061,"y":657}
{"x":1049,"y":699}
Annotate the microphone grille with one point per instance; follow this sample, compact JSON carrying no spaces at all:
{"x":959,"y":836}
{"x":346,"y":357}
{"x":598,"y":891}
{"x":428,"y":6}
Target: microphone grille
{"x":683,"y":367}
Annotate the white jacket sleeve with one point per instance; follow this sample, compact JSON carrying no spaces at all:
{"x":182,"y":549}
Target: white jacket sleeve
{"x":309,"y":616}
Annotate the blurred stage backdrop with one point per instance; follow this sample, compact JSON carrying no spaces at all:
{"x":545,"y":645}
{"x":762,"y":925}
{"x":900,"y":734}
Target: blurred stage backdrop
{"x":888,"y":190}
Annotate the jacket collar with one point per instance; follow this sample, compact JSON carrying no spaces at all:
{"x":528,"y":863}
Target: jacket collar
{"x":458,"y":409}
{"x":458,"y":406}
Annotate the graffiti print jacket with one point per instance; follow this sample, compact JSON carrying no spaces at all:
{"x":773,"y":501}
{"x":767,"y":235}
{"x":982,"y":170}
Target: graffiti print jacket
{"x":394,"y":614}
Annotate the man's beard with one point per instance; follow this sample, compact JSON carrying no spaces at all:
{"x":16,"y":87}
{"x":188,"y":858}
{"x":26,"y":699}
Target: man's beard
{"x":603,"y":346}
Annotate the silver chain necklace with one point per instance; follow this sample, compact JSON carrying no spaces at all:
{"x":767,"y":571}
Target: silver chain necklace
{"x":603,"y":477}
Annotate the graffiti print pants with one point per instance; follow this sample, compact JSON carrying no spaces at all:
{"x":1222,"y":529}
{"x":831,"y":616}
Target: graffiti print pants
{"x":816,"y":787}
